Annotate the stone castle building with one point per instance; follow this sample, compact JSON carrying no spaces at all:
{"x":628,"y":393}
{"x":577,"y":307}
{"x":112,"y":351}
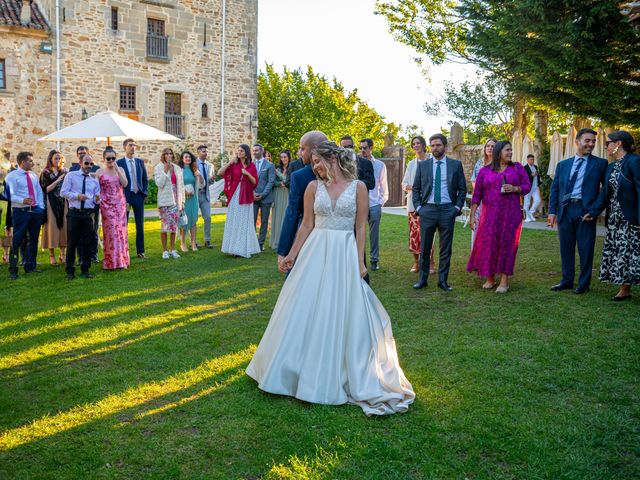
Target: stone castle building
{"x":156,"y":61}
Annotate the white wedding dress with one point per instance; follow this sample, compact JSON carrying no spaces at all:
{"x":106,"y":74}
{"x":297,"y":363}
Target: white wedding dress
{"x":329,"y":339}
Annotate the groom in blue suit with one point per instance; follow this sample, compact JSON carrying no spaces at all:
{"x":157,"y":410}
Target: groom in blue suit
{"x":299,"y":181}
{"x":136,"y":190}
{"x":574,"y":207}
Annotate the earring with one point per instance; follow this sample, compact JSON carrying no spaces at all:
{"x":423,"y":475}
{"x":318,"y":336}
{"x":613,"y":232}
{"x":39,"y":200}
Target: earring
{"x":615,"y":150}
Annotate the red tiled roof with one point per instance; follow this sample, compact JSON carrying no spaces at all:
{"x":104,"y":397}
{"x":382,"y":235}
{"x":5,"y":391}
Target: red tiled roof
{"x":10,"y":15}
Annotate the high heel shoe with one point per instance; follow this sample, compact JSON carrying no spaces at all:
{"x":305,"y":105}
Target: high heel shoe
{"x":414,"y":268}
{"x":52,"y":260}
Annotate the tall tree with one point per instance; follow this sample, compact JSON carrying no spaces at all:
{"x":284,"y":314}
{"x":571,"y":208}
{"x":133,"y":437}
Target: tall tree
{"x":580,"y":57}
{"x":293,"y":102}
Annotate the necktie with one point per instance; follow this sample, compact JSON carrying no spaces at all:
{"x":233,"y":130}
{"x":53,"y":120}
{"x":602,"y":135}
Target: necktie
{"x":204,"y":175}
{"x":134,"y":179}
{"x":437,"y":194}
{"x":84,"y":189}
{"x":572,"y":180}
{"x":32,"y":192}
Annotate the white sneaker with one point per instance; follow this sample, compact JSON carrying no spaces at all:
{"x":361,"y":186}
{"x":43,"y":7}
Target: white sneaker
{"x":165,"y":255}
{"x":174,"y":254}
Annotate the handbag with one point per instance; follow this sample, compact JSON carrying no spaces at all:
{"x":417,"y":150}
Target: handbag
{"x":183,"y":220}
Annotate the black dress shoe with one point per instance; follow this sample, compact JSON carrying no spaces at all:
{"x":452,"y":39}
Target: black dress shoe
{"x":13,"y":276}
{"x":420,"y":284}
{"x":561,"y":286}
{"x":70,"y":276}
{"x":208,"y":244}
{"x":87,"y":275}
{"x":35,"y":270}
{"x":141,"y":255}
{"x":581,"y":290}
{"x":374,"y":266}
{"x":616,"y":298}
{"x":445,"y":286}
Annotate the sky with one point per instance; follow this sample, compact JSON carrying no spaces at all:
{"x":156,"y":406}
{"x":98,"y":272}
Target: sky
{"x":345,"y":40}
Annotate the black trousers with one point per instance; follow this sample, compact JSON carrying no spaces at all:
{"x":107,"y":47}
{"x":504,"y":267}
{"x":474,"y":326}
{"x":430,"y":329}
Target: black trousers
{"x":572,"y":230}
{"x":79,"y":238}
{"x":26,"y":225}
{"x":443,"y":219}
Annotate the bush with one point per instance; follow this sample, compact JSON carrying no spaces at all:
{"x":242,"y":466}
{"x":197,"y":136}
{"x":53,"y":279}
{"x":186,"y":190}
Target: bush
{"x":152,"y":196}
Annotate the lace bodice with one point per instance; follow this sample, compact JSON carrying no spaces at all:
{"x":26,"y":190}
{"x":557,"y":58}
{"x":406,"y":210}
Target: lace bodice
{"x":343,"y":217}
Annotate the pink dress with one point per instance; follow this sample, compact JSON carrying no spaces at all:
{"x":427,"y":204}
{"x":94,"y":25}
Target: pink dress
{"x":498,"y":232}
{"x":113,"y":209}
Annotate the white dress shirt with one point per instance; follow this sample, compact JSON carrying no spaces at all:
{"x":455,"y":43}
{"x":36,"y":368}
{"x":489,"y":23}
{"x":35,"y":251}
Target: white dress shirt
{"x":16,"y":182}
{"x":444,"y":190}
{"x":577,"y":188}
{"x":379,"y":194}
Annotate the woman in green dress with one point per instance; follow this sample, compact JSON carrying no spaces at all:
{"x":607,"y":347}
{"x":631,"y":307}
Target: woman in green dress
{"x":192,"y":182}
{"x":281,"y":197}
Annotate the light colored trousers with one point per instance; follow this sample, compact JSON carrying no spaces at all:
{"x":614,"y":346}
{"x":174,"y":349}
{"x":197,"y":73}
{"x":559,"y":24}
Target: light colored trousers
{"x":533,"y":198}
{"x":205,"y":211}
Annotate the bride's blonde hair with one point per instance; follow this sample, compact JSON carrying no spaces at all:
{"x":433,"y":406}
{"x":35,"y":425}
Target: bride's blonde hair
{"x":344,"y":158}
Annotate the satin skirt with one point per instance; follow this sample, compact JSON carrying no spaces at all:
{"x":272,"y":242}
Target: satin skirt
{"x":329,"y":340}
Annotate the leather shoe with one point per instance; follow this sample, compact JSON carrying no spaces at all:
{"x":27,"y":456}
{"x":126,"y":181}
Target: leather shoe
{"x":581,"y":290}
{"x":374,"y":266}
{"x":70,"y":276}
{"x":141,"y":255}
{"x":87,"y":275}
{"x":13,"y":276}
{"x":35,"y":270}
{"x":616,"y":298}
{"x":561,"y":286}
{"x":420,"y":284}
{"x":444,"y":286}
{"x":208,"y":244}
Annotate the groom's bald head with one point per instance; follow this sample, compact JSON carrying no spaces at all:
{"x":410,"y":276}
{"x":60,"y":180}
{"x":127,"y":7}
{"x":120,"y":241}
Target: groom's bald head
{"x":309,"y":142}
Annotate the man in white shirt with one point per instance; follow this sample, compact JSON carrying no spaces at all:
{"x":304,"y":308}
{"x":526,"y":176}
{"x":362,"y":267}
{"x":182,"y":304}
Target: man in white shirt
{"x":377,"y":198}
{"x":532,"y":199}
{"x":27,"y":210}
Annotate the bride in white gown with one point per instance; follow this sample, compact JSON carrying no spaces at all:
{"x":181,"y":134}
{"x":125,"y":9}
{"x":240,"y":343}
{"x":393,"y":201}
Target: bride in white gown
{"x":329,"y":339}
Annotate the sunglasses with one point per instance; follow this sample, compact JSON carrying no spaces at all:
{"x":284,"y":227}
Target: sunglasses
{"x":88,"y":164}
{"x":348,"y":146}
{"x":109,"y":158}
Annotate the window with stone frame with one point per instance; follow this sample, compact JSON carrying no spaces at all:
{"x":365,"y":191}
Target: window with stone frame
{"x":204,"y":111}
{"x":3,"y":75}
{"x":114,"y":19}
{"x":128,"y":98}
{"x":157,"y":41}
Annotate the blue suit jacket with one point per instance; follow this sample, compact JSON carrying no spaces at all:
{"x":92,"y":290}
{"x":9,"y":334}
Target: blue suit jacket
{"x":591,"y":186}
{"x":628,"y":189}
{"x":141,"y":177}
{"x":300,"y":179}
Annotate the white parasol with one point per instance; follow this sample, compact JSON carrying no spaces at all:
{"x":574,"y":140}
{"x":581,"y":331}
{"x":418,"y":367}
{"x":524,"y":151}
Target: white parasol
{"x":108,"y":126}
{"x":555,"y":153}
{"x":516,"y":144}
{"x":527,"y":148}
{"x":570,"y":145}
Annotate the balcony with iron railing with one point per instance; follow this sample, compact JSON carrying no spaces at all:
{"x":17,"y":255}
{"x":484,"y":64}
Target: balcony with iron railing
{"x":174,"y":125}
{"x":157,"y":47}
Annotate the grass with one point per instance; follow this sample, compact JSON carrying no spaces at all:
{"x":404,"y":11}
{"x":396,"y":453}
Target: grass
{"x":140,"y":374}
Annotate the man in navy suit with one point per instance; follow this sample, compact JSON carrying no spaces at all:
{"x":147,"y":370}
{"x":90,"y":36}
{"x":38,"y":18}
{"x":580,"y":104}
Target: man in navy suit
{"x":574,"y":207}
{"x":299,"y":181}
{"x":136,"y":190}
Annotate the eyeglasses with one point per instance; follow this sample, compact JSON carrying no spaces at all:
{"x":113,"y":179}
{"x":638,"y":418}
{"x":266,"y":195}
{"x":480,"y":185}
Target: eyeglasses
{"x":109,"y":158}
{"x":348,"y":146}
{"x":608,"y":142}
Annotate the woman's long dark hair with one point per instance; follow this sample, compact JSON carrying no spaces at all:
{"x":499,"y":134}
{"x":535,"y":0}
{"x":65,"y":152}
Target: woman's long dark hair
{"x":52,"y":154}
{"x":497,"y":153}
{"x":194,"y":161}
{"x":247,"y":154}
{"x":628,"y":143}
{"x":287,"y":152}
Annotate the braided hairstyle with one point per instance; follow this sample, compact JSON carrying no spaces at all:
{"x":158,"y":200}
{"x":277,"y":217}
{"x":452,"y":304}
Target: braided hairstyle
{"x":344,"y":158}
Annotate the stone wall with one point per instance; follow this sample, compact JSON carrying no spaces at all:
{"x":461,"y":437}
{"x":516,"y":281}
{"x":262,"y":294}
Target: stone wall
{"x":96,"y":60}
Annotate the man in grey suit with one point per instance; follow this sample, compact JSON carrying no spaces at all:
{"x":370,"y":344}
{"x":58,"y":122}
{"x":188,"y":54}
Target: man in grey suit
{"x":204,"y":196}
{"x":439,"y":191}
{"x":263,"y":191}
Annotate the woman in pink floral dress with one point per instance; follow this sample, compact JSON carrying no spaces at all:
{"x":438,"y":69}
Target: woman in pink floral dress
{"x":113,"y":210}
{"x":499,"y":187}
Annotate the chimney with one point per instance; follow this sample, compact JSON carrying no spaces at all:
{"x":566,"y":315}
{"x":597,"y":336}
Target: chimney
{"x":25,"y":12}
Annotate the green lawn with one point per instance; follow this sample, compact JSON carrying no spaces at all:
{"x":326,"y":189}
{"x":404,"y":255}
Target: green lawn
{"x":140,"y":374}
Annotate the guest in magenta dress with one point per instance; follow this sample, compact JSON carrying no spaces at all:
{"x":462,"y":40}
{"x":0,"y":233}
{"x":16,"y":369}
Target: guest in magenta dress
{"x":499,"y":187}
{"x":113,"y":210}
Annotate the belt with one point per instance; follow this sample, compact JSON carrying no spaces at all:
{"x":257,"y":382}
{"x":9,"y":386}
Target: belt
{"x":26,"y":207}
{"x":575,"y":200}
